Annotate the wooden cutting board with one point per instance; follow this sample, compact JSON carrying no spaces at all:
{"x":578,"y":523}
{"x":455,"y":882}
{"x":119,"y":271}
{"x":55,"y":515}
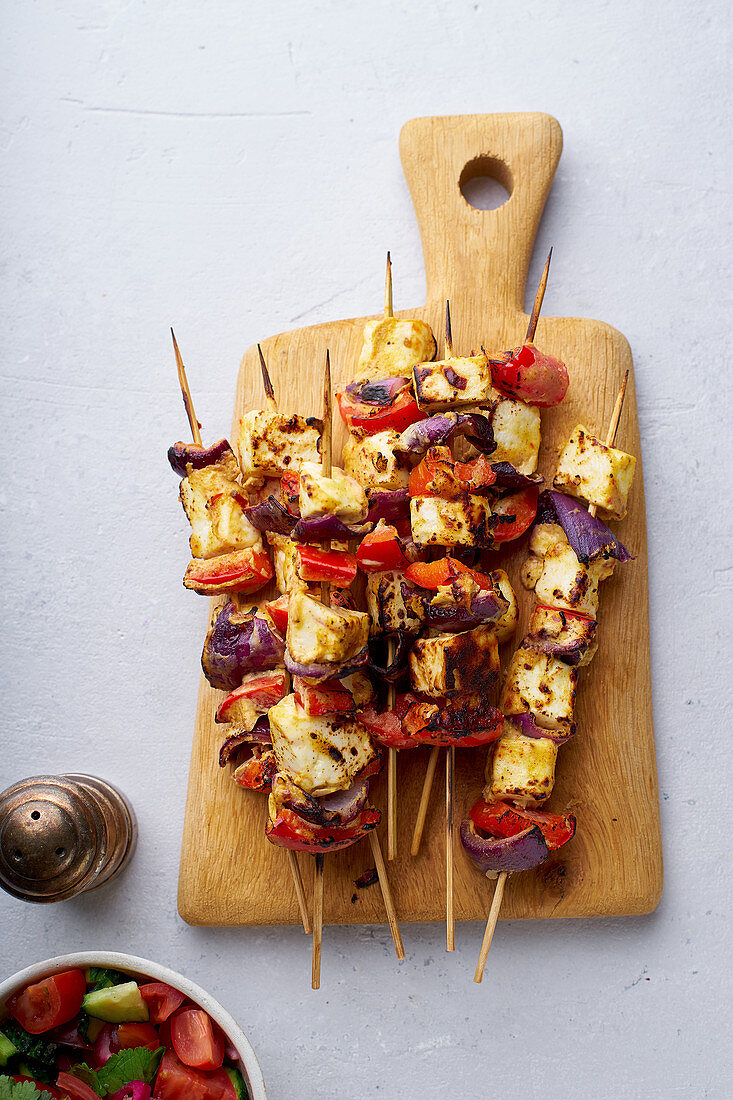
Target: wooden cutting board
{"x":230,"y":875}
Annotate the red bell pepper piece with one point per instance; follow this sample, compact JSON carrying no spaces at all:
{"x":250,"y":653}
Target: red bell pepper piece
{"x":335,"y":566}
{"x":277,"y":612}
{"x":530,"y":375}
{"x":520,"y":509}
{"x":257,"y":773}
{"x":501,"y":819}
{"x":437,"y":574}
{"x":439,"y":475}
{"x":290,"y":490}
{"x":264,"y":690}
{"x":382,"y":551}
{"x":241,"y":571}
{"x":369,"y":419}
{"x":413,"y":722}
{"x":330,"y":697}
{"x":289,"y":830}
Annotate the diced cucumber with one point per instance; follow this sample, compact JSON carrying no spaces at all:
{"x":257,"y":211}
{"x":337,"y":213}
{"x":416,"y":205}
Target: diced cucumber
{"x":7,"y":1049}
{"x":118,"y":1004}
{"x":238,"y":1081}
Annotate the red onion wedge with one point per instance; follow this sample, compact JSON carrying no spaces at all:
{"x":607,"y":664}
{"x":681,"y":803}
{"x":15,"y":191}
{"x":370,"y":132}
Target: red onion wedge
{"x":588,"y":535}
{"x":495,"y":854}
{"x":316,"y":672}
{"x":182,"y":455}
{"x":391,"y":505}
{"x":442,"y":427}
{"x":509,"y":477}
{"x":317,"y":528}
{"x":380,"y":392}
{"x":529,"y":728}
{"x":135,"y":1090}
{"x":343,"y":806}
{"x":270,"y":515}
{"x":379,"y":663}
{"x":239,"y":643}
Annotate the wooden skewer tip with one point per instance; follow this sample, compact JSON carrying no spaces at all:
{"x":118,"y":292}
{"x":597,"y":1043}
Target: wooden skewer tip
{"x":490,"y":926}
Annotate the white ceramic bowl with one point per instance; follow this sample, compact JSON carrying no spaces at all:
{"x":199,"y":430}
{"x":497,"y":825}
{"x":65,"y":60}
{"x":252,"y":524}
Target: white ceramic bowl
{"x":116,"y":960}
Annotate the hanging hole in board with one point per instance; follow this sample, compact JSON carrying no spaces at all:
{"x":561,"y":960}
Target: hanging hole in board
{"x":486,"y":183}
{"x":35,"y":815}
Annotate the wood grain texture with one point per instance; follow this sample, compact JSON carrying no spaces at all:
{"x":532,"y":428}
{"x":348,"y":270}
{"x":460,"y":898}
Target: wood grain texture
{"x":606,"y":775}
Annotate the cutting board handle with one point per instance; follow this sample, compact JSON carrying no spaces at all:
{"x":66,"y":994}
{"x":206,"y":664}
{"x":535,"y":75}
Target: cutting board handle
{"x":479,"y":258}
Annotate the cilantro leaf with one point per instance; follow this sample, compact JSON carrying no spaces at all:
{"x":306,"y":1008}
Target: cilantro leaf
{"x":37,"y":1050}
{"x":134,"y":1064}
{"x":102,"y":978}
{"x":21,"y":1090}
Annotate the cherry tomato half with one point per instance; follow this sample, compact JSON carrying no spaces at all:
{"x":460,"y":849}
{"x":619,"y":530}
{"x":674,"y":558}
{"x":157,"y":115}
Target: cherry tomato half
{"x":162,"y":1000}
{"x":178,"y":1082}
{"x":71,"y":1086}
{"x":49,"y":1003}
{"x":133,"y":1034}
{"x":197,"y":1040}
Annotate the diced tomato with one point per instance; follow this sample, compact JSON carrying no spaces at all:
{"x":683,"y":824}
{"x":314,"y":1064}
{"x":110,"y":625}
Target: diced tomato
{"x":289,"y":830}
{"x":74,"y":1088}
{"x":382,"y":551}
{"x":376,"y":418}
{"x":264,"y":690}
{"x":335,"y":566}
{"x":277,"y":611}
{"x":175,"y":1081}
{"x":501,"y":819}
{"x":240,"y":571}
{"x":328,"y":697}
{"x":436,"y":574}
{"x":522,"y":507}
{"x":196,"y":1039}
{"x":134,"y":1034}
{"x":162,"y":1000}
{"x":530,"y":375}
{"x":49,"y":1003}
{"x":439,"y":475}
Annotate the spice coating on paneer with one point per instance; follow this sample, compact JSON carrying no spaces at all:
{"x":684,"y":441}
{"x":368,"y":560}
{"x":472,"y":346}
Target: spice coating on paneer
{"x":373,"y":461}
{"x":392,"y":347}
{"x":452,"y":383}
{"x":517,"y":432}
{"x":286,"y":560}
{"x":538,"y":684}
{"x":556,"y":575}
{"x":393,"y":604}
{"x":320,"y":754}
{"x":338,"y":495}
{"x":466,"y":521}
{"x":572,"y":637}
{"x":596,"y":473}
{"x":213,"y":501}
{"x":468,"y":661}
{"x":522,"y":769}
{"x":318,"y":634}
{"x":271,"y":443}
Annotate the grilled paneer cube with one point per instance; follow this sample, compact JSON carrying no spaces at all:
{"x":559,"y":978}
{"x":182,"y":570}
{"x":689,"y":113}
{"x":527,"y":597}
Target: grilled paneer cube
{"x":452,"y":383}
{"x":570,"y":637}
{"x":507,"y":624}
{"x":558,"y":578}
{"x":392,"y":347}
{"x":466,"y":521}
{"x":590,"y":470}
{"x":213,"y":501}
{"x":271,"y":443}
{"x":468,"y":661}
{"x":286,"y":560}
{"x":393,"y":604}
{"x":517,"y":434}
{"x":318,"y":634}
{"x":538,"y":684}
{"x":373,"y":461}
{"x":320,"y":754}
{"x":522,"y":769}
{"x":338,"y":495}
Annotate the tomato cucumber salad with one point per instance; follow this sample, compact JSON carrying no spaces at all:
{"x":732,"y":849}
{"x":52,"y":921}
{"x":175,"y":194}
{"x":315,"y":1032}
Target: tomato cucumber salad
{"x":83,"y":1034}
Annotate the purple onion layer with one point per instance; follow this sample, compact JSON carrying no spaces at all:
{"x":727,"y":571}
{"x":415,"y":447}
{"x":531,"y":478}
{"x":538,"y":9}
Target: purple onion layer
{"x":237,"y":644}
{"x":182,"y":455}
{"x":496,"y":854}
{"x":588,"y":535}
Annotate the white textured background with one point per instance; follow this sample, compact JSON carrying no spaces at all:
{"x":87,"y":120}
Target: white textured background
{"x":232,"y":168}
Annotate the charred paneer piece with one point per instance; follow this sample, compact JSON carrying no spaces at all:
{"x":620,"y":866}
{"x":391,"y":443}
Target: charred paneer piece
{"x":467,"y":661}
{"x":570,"y":637}
{"x":517,"y":432}
{"x":558,"y":578}
{"x":320,"y":754}
{"x":272,"y":443}
{"x":392,"y":347}
{"x":538,"y":684}
{"x":464,"y":521}
{"x":213,"y":500}
{"x":522,"y":769}
{"x":324,"y":635}
{"x":596,"y":473}
{"x":394,"y":603}
{"x":452,"y":383}
{"x":337,"y":495}
{"x":373,"y":461}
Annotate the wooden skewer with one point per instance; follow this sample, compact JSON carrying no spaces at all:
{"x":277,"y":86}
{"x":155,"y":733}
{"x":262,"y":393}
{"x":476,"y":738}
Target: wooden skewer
{"x":267,"y":381}
{"x":538,"y":298}
{"x":391,"y":753}
{"x":186,"y":393}
{"x":386,"y":893}
{"x":501,"y":880}
{"x":424,"y":800}
{"x":490,"y":926}
{"x":388,"y":308}
{"x":299,"y":890}
{"x":450,"y":920}
{"x":317,"y":922}
{"x":448,"y":333}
